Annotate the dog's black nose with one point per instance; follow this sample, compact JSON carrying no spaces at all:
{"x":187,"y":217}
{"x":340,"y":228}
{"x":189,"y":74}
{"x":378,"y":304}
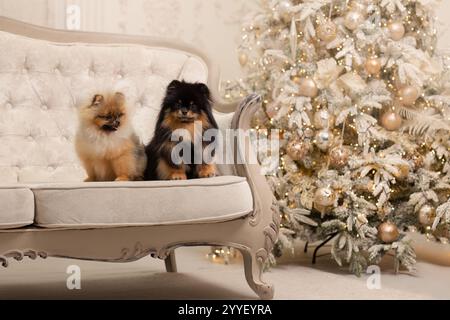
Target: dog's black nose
{"x":184,"y":112}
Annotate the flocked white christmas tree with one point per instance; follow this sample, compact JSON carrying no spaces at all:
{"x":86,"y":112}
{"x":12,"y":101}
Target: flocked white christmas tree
{"x":362,"y":101}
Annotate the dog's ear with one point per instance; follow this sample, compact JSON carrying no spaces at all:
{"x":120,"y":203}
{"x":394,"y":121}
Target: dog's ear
{"x":97,"y":100}
{"x":204,"y":90}
{"x":119,"y":99}
{"x":173,"y":86}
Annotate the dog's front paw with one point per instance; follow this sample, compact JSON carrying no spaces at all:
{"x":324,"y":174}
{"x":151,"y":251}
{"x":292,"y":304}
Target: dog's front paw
{"x":89,"y":179}
{"x":207,"y":172}
{"x":122,"y":178}
{"x":178,"y":176}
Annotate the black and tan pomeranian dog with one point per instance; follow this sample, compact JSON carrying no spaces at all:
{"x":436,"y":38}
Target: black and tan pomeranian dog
{"x":106,"y":143}
{"x":186,"y":108}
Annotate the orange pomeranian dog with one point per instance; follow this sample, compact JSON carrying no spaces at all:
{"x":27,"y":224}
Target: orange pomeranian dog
{"x":106,"y":143}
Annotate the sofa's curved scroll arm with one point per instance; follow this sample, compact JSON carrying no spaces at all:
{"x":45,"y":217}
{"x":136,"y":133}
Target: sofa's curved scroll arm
{"x":265,"y":219}
{"x":246,"y":160}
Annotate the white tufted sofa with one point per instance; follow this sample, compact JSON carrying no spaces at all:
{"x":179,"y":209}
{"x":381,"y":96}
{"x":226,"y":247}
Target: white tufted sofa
{"x":45,"y":209}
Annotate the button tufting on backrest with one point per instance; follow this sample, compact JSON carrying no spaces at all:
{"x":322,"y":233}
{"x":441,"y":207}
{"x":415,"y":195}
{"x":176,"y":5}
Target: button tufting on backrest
{"x":49,"y":80}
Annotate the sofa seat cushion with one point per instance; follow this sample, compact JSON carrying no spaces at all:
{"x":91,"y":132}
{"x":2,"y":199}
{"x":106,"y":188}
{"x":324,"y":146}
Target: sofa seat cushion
{"x":16,"y":207}
{"x":105,"y":205}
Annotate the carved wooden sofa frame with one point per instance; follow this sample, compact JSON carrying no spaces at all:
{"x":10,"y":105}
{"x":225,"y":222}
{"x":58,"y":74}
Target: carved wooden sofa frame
{"x":254,"y":235}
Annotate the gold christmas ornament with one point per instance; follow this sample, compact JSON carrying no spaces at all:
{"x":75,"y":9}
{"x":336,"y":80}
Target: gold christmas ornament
{"x":271,"y":110}
{"x":408,"y":95}
{"x":243,"y":59}
{"x":323,"y":119}
{"x":284,"y":9}
{"x":339,"y":157}
{"x":308,"y":133}
{"x":323,"y":210}
{"x":308,"y":88}
{"x":388,"y":232}
{"x":391,"y":121}
{"x":298,"y":149}
{"x":427,"y":215}
{"x":396,"y":30}
{"x":324,"y":197}
{"x":296,"y":79}
{"x":353,"y":20}
{"x":373,"y":66}
{"x":327,"y":31}
{"x":403,"y":172}
{"x":324,"y":139}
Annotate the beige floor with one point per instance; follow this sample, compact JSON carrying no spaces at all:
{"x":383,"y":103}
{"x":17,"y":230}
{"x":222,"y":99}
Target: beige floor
{"x":200,"y":279}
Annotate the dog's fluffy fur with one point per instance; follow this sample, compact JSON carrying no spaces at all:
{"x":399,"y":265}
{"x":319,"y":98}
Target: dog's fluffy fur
{"x":184,"y":105}
{"x":106,"y":143}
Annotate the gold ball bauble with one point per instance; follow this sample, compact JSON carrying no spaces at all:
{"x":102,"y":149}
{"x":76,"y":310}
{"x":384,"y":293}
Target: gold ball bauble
{"x":298,"y":149}
{"x":308,"y":133}
{"x":408,"y":95}
{"x":324,"y":139}
{"x":353,"y":20}
{"x":308,"y":88}
{"x":322,"y":209}
{"x":284,"y":9}
{"x":396,"y":30}
{"x":388,"y":232}
{"x":324,"y":197}
{"x":243,"y":59}
{"x":323,"y":119}
{"x":296,"y":79}
{"x":373,"y":66}
{"x":427,"y":215}
{"x":327,"y":31}
{"x":402,"y":173}
{"x":339,"y":157}
{"x":391,"y":121}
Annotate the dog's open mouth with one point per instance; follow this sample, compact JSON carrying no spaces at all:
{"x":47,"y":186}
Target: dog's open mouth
{"x":109,"y":128}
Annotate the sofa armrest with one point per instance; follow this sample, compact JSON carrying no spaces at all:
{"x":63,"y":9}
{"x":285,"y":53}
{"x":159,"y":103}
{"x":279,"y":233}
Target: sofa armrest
{"x":247,"y":164}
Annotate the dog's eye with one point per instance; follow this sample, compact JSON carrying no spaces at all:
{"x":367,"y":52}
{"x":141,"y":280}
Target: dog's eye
{"x":104,"y":117}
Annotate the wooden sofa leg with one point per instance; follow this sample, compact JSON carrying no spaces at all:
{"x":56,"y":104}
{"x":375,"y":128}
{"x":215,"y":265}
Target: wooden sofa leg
{"x":171,"y":263}
{"x":254,"y":264}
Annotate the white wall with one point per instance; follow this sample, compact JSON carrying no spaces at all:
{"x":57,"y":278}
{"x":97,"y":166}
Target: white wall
{"x":443,"y":14}
{"x":212,"y":25}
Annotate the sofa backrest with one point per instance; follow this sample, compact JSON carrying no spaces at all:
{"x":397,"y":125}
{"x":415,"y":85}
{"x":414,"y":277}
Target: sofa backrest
{"x":43,"y":82}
